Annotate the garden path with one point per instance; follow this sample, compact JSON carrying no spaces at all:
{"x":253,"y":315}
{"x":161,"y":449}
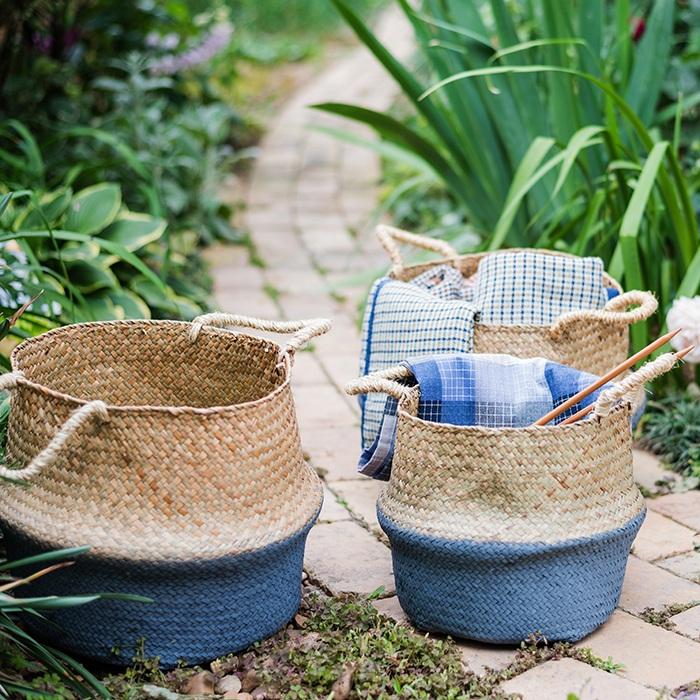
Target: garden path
{"x":308,"y":212}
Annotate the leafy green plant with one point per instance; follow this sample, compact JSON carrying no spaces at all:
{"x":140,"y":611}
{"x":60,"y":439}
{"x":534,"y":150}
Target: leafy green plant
{"x":86,"y":252}
{"x":671,"y":429}
{"x":171,"y":157}
{"x":541,"y":122}
{"x":29,"y":668}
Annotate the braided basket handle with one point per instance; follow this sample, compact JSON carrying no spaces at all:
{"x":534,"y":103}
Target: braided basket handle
{"x":384,"y":382}
{"x":80,"y":417}
{"x":616,"y":312}
{"x":626,"y":387}
{"x":303,"y":331}
{"x":389,"y":236}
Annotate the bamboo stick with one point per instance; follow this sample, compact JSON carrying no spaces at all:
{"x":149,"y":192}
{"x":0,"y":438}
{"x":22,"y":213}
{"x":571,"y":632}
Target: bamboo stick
{"x":585,"y":411}
{"x":644,"y":352}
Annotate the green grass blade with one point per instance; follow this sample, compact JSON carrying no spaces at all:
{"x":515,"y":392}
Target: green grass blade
{"x":523,"y":176}
{"x":630,"y":229}
{"x":580,"y":140}
{"x":406,"y":80}
{"x":651,"y":60}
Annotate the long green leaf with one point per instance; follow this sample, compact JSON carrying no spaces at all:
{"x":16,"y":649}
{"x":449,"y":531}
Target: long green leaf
{"x":651,"y":61}
{"x":630,"y":228}
{"x":523,"y":175}
{"x":109,"y":246}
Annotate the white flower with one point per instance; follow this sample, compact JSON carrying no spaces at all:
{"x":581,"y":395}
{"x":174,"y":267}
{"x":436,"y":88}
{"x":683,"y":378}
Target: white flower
{"x":685,"y":314}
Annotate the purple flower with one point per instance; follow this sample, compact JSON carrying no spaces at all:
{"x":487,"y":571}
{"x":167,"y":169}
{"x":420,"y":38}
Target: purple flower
{"x":212,"y":43}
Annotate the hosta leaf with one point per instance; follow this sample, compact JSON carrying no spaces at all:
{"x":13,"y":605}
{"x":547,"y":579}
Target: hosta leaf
{"x":103,"y":308}
{"x":89,"y":276}
{"x":94,"y":208}
{"x":170,"y":303}
{"x":53,"y":206}
{"x":74,"y":252}
{"x":134,"y":231}
{"x":131,"y":305}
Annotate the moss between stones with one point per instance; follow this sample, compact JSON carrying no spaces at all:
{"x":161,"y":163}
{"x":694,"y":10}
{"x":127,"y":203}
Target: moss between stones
{"x":661,"y":617}
{"x":345,"y":647}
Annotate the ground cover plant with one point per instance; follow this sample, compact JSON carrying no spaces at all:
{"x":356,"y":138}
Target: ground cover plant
{"x":343,"y":648}
{"x":590,"y":168}
{"x":29,"y":668}
{"x":671,"y":429}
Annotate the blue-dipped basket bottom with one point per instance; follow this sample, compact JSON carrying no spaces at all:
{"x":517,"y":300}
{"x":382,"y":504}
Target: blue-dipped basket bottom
{"x":200,"y":610}
{"x":502,"y":592}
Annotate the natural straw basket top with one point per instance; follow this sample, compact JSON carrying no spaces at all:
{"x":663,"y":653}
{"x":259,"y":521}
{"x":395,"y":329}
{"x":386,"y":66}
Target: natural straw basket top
{"x":537,"y":484}
{"x":199,"y":455}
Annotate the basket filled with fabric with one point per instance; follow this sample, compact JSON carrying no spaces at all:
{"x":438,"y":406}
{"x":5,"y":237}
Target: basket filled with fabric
{"x":172,"y":450}
{"x":500,"y":528}
{"x":527,"y":303}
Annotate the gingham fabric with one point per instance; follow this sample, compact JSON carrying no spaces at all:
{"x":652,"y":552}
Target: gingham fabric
{"x":488,"y":390}
{"x":402,"y":319}
{"x":535,"y":288}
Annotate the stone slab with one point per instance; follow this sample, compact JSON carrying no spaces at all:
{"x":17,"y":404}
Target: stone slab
{"x":684,"y":508}
{"x":481,"y":658}
{"x":651,"y":655}
{"x":307,"y":370}
{"x":334,"y":451}
{"x":348,"y":559}
{"x":555,"y":680}
{"x":648,"y":586}
{"x":323,"y":407}
{"x":661,"y":537}
{"x":688,"y":623}
{"x":390,"y":607}
{"x":648,"y":470}
{"x":361,"y":496}
{"x":685,"y":565}
{"x":332,"y":510}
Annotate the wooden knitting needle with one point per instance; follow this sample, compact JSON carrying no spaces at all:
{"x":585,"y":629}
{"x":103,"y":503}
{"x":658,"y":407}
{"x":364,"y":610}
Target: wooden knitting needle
{"x":585,"y":411}
{"x":644,"y":352}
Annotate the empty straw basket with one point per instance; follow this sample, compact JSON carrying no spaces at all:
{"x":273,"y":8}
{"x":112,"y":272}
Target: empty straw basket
{"x":590,"y":340}
{"x":172,"y":449}
{"x":498,"y":533}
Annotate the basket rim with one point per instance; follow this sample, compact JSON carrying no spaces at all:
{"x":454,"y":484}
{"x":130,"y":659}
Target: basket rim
{"x":147,"y":408}
{"x":531,"y":430}
{"x":608,"y":280}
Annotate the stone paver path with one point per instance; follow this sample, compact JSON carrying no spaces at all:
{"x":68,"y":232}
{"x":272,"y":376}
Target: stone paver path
{"x":311,"y":198}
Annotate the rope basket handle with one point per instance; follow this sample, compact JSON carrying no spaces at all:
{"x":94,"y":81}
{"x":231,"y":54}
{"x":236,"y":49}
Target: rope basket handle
{"x":389,"y":236}
{"x":80,"y":417}
{"x":384,"y":382}
{"x":616,"y":312}
{"x":633,"y":382}
{"x":303,"y":331}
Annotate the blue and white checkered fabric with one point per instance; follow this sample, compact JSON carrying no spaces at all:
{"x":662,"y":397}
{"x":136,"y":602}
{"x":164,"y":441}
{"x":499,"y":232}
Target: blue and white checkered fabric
{"x":489,"y":390}
{"x":525,"y":287}
{"x":404,"y":319}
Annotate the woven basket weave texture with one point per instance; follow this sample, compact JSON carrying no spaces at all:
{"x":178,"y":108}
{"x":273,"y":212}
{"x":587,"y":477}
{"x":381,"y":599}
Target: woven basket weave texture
{"x":200,"y":456}
{"x":188,"y":483}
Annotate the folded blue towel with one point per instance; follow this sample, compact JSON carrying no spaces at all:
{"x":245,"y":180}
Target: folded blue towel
{"x":488,"y":390}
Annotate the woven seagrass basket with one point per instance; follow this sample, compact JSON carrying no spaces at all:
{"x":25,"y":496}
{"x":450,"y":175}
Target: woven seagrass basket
{"x":592,"y":340}
{"x":498,"y":533}
{"x":172,"y":450}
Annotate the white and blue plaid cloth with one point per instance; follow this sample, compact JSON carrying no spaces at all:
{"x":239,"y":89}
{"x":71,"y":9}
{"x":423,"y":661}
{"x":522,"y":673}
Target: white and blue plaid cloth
{"x":435,"y":312}
{"x":525,"y":287}
{"x":489,"y":390}
{"x":404,"y":319}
